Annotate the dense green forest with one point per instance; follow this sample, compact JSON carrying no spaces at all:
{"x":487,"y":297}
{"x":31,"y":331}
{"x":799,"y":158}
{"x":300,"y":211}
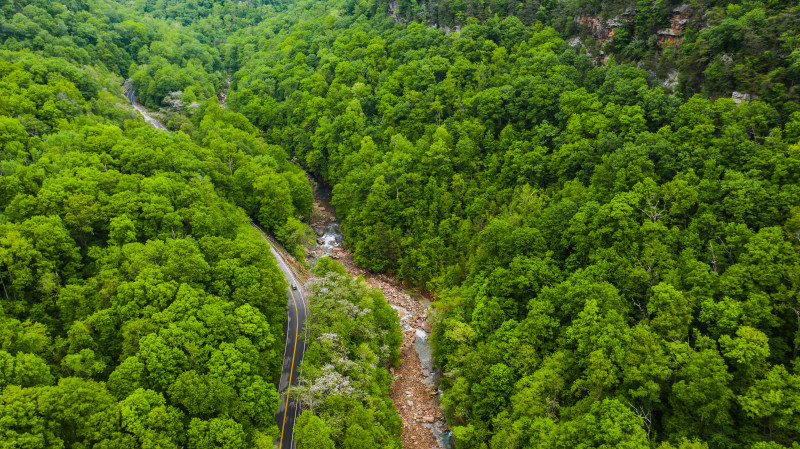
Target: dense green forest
{"x":616,"y":259}
{"x":616,"y":263}
{"x":717,"y":46}
{"x":353,"y":336}
{"x":138,"y":307}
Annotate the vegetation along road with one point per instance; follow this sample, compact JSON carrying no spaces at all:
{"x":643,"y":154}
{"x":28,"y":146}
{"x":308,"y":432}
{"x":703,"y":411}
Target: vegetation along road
{"x":293,"y":352}
{"x":600,"y":201}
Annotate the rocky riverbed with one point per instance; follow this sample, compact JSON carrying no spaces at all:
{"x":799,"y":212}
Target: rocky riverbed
{"x":414,"y":389}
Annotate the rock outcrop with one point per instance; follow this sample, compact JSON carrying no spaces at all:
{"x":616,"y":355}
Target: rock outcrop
{"x":674,"y":34}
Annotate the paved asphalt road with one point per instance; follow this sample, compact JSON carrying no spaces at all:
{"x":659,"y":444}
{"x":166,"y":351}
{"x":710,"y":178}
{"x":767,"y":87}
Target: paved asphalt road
{"x":292,"y":354}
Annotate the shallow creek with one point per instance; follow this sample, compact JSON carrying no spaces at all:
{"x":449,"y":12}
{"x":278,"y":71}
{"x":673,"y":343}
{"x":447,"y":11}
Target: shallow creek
{"x":413,"y":310}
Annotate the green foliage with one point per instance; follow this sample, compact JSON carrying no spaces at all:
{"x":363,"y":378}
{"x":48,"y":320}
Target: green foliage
{"x":312,"y":432}
{"x":137,"y":306}
{"x":353,"y":337}
{"x":615,"y":265}
{"x":170,"y":67}
{"x":717,"y":47}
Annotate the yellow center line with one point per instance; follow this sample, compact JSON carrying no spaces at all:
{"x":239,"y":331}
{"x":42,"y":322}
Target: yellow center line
{"x":291,"y":370}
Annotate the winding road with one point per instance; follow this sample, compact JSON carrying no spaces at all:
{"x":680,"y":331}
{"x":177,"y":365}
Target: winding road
{"x":297,"y":311}
{"x":293,"y":352}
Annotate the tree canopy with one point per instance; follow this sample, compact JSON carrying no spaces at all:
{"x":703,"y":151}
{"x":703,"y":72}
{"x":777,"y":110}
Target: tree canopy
{"x":612,"y":238}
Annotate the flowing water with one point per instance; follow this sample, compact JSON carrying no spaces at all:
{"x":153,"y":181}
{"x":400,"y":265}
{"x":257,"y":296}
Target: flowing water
{"x":329,"y":240}
{"x":422,"y":345}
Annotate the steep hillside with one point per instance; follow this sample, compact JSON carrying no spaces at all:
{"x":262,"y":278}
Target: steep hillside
{"x":711,"y":47}
{"x":138,"y":308}
{"x":613,"y":241}
{"x":615,"y":265}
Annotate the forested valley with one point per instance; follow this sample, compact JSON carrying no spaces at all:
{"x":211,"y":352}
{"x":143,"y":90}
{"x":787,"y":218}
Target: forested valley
{"x":602,"y":197}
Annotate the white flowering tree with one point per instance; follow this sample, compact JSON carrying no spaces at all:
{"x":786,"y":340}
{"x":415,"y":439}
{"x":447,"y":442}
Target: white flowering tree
{"x":353,"y":336}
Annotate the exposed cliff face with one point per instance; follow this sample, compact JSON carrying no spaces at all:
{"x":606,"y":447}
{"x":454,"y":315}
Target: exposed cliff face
{"x":600,"y":29}
{"x":603,"y":30}
{"x":674,"y":34}
{"x":393,"y":10}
